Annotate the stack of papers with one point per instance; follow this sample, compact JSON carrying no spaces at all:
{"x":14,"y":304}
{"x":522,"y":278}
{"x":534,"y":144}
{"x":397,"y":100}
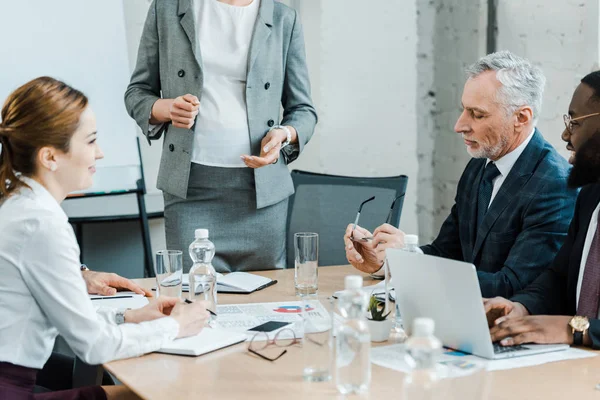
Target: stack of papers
{"x":234,"y":282}
{"x":455,"y":363}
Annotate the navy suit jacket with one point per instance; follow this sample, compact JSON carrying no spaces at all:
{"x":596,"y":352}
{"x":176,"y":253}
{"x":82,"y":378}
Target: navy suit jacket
{"x":554,"y":292}
{"x":525,"y":225}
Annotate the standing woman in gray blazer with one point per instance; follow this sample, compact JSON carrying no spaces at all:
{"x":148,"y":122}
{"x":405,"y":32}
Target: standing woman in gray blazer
{"x":211,"y":76}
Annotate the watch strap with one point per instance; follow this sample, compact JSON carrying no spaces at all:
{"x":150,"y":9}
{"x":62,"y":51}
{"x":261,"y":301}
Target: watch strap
{"x":287,"y":131}
{"x":577,"y":338}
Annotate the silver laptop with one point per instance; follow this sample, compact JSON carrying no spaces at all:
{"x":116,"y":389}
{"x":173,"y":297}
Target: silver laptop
{"x":448,"y":292}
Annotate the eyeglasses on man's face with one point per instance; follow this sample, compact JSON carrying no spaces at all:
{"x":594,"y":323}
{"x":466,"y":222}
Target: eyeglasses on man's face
{"x":569,"y":121}
{"x":387,"y":220}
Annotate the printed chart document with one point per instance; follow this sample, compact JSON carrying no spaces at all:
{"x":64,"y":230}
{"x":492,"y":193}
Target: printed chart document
{"x":234,"y":282}
{"x":455,"y":363}
{"x":241,"y":317}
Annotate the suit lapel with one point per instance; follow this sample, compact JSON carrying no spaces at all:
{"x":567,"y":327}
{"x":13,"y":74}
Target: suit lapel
{"x":262,"y":30}
{"x":186,"y":14}
{"x":517,"y":177}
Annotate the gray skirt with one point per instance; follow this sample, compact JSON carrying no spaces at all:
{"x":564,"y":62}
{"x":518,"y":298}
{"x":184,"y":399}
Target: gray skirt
{"x":223,"y":200}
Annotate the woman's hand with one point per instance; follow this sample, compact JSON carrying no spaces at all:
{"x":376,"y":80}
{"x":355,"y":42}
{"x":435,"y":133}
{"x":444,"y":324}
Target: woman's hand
{"x":181,"y":111}
{"x":270,"y":147}
{"x":156,"y":308}
{"x":191,"y":317}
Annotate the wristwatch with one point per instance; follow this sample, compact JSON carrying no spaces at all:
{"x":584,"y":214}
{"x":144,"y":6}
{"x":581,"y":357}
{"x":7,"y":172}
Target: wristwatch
{"x":120,"y":315}
{"x":84,"y":267}
{"x":579,"y":326}
{"x":287,"y":131}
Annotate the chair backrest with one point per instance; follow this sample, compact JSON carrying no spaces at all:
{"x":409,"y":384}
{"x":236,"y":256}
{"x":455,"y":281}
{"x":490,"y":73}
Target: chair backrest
{"x":326,"y":204}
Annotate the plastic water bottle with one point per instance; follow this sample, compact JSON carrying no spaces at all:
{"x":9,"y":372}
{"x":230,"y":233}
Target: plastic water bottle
{"x":422,"y":352}
{"x":203,"y":277}
{"x":353,"y":342}
{"x":411,"y":245}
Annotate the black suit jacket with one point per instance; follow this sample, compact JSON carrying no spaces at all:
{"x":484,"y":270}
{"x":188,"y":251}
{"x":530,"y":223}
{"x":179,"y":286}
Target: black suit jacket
{"x":524,"y":227}
{"x":554,"y":292}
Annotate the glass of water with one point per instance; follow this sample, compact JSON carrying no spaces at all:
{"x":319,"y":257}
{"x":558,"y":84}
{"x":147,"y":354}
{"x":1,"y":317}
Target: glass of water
{"x":317,"y":342}
{"x":306,"y":246}
{"x":169,"y":273}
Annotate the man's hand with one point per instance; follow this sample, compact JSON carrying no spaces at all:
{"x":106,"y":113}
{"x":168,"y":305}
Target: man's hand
{"x":541,"y":329}
{"x":269,"y":149}
{"x":361,"y":254}
{"x":107,"y":284}
{"x":157,"y":308}
{"x":385,"y":237}
{"x":499,"y":307}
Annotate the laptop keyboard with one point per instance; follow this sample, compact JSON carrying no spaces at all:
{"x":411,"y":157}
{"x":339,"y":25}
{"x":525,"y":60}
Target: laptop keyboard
{"x":498,"y":349}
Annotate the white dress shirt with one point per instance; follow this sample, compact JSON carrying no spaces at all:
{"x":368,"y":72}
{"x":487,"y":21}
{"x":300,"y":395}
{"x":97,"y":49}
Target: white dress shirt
{"x":586,"y":251}
{"x":221,"y":133}
{"x":506,"y":163}
{"x":43,"y":294}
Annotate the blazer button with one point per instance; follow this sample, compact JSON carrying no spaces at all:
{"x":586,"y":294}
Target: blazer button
{"x":271,"y":123}
{"x":267,"y":86}
{"x":171,"y":147}
{"x":181,"y":73}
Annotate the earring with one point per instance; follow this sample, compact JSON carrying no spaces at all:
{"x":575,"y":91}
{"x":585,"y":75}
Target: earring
{"x":53,"y":167}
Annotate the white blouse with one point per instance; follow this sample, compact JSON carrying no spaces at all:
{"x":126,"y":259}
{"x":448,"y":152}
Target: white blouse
{"x":42,"y":292}
{"x":221,"y":133}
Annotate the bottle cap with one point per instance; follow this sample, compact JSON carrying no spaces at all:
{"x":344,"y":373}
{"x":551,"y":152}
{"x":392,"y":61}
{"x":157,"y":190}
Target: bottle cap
{"x":411,"y":239}
{"x":353,"y":282}
{"x":201,"y":233}
{"x":423,"y":327}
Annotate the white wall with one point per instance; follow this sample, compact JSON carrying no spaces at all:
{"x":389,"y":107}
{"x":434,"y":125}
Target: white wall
{"x":452,"y":35}
{"x":362,"y":59}
{"x":563,"y":40}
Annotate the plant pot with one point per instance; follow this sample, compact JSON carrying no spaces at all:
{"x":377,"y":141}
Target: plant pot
{"x":380,"y":330}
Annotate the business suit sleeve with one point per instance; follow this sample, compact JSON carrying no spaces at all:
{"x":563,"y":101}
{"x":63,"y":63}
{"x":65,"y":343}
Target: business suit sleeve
{"x":594,"y":332}
{"x":144,"y":88}
{"x":547,"y":295}
{"x":545,"y":221}
{"x":298,"y":110}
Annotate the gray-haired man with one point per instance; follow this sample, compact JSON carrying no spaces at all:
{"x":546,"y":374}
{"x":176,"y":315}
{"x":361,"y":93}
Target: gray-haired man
{"x":512,"y":207}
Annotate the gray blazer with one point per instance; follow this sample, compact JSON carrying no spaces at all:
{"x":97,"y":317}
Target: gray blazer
{"x":169,"y":65}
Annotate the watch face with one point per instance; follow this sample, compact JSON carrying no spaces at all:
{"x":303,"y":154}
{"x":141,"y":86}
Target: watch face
{"x":579,"y":323}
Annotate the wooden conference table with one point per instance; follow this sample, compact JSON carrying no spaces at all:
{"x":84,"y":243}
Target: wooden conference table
{"x":234,"y":373}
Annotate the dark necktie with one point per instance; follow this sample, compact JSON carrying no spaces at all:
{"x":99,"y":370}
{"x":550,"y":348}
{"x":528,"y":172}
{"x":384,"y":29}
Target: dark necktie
{"x":589,"y":294}
{"x":485,"y":190}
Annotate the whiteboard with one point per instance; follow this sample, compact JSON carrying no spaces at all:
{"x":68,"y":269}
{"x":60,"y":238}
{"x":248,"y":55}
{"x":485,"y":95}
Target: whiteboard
{"x":83,"y":43}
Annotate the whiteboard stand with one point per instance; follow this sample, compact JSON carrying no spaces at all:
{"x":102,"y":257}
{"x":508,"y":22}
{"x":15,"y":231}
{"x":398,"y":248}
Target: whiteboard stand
{"x":141,"y":216}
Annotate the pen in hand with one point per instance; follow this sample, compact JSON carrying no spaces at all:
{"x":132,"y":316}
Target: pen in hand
{"x":187,"y":301}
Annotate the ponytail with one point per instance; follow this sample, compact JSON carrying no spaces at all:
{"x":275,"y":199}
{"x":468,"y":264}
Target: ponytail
{"x":8,"y":180}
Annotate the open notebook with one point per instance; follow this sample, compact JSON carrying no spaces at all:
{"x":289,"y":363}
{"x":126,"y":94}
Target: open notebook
{"x":208,"y":340}
{"x":234,"y":282}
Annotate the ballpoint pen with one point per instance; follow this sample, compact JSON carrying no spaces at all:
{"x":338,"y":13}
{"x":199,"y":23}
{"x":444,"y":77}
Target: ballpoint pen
{"x":210,"y":311}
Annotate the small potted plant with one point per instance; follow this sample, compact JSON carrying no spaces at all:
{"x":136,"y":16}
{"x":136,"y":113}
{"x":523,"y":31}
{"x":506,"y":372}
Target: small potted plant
{"x":378,"y":322}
